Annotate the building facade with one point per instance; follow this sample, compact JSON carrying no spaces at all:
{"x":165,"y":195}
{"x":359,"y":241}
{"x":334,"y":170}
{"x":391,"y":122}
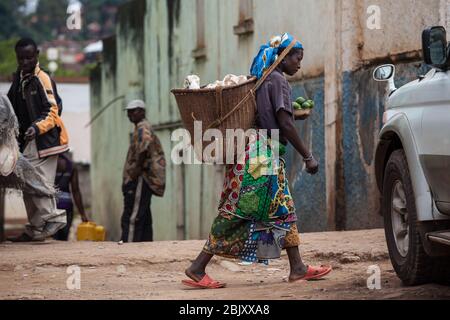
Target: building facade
{"x":159,"y":42}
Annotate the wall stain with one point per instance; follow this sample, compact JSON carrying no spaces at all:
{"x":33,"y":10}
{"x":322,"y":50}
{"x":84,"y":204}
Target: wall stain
{"x":131,"y":22}
{"x":110,"y":58}
{"x":173,"y":13}
{"x":363,"y":105}
{"x":309,"y":192}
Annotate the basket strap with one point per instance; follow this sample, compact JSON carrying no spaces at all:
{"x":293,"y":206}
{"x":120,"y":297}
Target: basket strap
{"x":219,"y":121}
{"x":280,"y":58}
{"x":219,"y":100}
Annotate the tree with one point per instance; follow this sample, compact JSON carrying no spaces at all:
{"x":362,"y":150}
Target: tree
{"x":48,"y":23}
{"x":11,"y":18}
{"x":96,"y":11}
{"x":8,"y":63}
{"x":50,"y":19}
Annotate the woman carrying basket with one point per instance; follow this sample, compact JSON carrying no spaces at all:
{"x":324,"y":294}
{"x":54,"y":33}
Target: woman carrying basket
{"x":257,"y":216}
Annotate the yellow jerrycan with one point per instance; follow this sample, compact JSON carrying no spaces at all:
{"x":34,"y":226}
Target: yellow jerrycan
{"x":86,"y":231}
{"x":89,"y":231}
{"x":100,"y":233}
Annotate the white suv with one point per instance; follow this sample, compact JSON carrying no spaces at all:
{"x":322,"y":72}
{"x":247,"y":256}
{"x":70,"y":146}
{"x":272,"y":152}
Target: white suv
{"x":413,"y":166}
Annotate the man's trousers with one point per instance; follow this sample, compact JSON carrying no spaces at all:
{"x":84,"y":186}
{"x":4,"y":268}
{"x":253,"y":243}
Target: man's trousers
{"x":41,"y":210}
{"x":137,"y":216}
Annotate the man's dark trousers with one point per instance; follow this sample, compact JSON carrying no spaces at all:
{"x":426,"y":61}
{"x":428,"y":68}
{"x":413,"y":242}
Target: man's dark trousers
{"x":137,"y":215}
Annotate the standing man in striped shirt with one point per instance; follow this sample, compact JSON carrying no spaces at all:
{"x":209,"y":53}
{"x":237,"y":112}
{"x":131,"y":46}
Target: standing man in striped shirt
{"x":144,"y":175}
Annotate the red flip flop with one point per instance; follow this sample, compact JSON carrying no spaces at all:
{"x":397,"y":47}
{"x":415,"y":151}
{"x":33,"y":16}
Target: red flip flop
{"x":315,"y":273}
{"x":205,"y":283}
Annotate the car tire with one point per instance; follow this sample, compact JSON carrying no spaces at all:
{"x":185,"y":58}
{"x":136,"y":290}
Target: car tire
{"x":413,"y":266}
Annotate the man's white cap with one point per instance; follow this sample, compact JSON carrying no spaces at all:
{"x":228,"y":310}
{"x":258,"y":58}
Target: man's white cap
{"x":135,"y":104}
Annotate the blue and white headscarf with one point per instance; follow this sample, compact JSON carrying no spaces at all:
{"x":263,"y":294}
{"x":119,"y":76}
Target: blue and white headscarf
{"x":268,"y":53}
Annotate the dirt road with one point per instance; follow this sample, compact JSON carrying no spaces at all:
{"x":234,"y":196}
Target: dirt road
{"x":154,"y":271}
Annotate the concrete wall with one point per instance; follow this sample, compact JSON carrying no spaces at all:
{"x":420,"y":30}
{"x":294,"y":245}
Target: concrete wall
{"x":402,"y":22}
{"x":152,"y":53}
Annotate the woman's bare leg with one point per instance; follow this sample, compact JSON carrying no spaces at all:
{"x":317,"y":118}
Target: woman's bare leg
{"x":197,"y":270}
{"x":298,"y":268}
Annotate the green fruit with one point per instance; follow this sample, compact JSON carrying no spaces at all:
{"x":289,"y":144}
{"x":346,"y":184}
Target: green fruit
{"x":307,"y":105}
{"x":296,"y":106}
{"x":300,"y":100}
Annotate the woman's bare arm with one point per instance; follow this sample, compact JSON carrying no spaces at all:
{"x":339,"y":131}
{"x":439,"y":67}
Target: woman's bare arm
{"x":74,"y":184}
{"x":289,"y":130}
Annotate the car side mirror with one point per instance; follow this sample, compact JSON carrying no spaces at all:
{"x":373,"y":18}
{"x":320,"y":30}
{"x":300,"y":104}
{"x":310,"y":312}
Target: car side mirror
{"x":434,"y":43}
{"x":385,"y":72}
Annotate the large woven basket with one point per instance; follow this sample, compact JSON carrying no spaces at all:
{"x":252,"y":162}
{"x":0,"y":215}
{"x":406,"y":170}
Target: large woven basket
{"x":232,"y":107}
{"x":211,"y":105}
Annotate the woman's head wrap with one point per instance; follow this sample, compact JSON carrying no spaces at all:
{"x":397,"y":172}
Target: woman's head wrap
{"x":269,"y":52}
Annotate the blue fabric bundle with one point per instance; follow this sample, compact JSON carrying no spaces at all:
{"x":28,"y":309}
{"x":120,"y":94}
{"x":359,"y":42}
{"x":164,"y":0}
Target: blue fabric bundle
{"x":269,"y":52}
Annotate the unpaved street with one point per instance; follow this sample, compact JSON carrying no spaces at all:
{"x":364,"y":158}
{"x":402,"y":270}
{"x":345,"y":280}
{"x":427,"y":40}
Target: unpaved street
{"x":154,"y":271}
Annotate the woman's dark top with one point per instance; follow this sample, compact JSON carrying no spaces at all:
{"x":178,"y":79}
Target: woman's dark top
{"x":275,"y":94}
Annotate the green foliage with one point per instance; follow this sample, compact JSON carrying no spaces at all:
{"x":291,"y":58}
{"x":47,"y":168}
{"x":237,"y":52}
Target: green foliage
{"x":87,"y":69}
{"x":49,"y":20}
{"x":48,"y":23}
{"x":10,"y":18}
{"x":8,"y":63}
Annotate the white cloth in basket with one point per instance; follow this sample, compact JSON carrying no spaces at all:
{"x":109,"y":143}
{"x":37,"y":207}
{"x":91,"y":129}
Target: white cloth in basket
{"x":193,"y":82}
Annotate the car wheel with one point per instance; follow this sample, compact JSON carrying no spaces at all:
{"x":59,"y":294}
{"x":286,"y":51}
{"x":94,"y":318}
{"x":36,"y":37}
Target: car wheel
{"x":412,"y":265}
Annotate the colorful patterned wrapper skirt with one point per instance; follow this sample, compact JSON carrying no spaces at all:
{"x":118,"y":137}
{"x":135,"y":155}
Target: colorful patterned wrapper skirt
{"x":256,"y":212}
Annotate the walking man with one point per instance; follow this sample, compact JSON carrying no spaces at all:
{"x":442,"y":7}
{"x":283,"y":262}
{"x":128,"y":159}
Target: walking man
{"x":42,"y":136}
{"x":144,"y":175}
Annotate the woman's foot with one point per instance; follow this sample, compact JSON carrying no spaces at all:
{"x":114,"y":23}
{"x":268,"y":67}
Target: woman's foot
{"x":196,"y":274}
{"x":298,"y":268}
{"x":298,"y":273}
{"x":200,"y":279}
{"x":197,"y":270}
{"x":312,"y":273}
